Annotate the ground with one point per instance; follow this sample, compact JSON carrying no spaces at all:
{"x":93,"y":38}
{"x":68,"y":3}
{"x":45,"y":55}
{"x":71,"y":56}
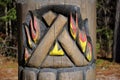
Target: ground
{"x":105,"y":70}
{"x":8,"y":68}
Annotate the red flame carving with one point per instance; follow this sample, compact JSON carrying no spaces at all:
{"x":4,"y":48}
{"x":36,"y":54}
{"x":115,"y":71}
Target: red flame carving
{"x":73,"y":27}
{"x":35,"y":29}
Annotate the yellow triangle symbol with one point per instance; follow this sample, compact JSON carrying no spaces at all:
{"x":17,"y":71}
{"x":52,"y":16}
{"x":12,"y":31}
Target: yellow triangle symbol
{"x":56,"y":51}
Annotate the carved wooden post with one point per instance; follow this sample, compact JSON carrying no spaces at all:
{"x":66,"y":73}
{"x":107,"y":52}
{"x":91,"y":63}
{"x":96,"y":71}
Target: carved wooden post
{"x":56,"y":39}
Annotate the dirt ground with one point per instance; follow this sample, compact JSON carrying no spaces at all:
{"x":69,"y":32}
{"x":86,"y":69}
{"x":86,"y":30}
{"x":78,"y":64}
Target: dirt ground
{"x":105,"y":70}
{"x":8,"y":68}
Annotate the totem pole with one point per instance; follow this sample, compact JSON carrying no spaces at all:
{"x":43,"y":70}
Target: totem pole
{"x":55,"y":43}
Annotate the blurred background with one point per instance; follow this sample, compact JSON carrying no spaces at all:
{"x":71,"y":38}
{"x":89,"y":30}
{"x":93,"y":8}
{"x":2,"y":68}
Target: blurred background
{"x":108,"y":21}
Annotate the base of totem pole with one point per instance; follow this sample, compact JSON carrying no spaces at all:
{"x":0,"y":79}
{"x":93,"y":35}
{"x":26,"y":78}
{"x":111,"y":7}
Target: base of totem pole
{"x":75,"y":73}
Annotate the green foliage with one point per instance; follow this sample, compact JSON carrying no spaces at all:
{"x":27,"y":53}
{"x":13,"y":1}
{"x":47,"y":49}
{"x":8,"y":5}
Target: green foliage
{"x":8,"y":45}
{"x":99,"y":61}
{"x":105,"y":23}
{"x":97,"y":47}
{"x":5,"y":2}
{"x":11,"y":15}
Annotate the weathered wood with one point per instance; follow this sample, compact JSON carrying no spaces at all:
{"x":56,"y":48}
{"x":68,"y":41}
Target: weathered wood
{"x":83,"y":9}
{"x":62,"y":69}
{"x":71,"y":48}
{"x":90,"y":73}
{"x":47,"y":76}
{"x":57,"y":2}
{"x":91,"y":22}
{"x":46,"y":43}
{"x":83,"y":4}
{"x":87,"y":9}
{"x":29,"y":75}
{"x":75,"y":75}
{"x":49,"y":17}
{"x":20,"y":38}
{"x":57,"y":62}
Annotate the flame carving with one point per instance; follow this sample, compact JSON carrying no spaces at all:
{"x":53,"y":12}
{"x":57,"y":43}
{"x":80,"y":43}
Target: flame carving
{"x":76,"y":21}
{"x":73,"y":27}
{"x":26,"y":54}
{"x":35,"y":29}
{"x":89,"y":52}
{"x":56,"y":51}
{"x":82,"y":37}
{"x":30,"y":42}
{"x":82,"y":40}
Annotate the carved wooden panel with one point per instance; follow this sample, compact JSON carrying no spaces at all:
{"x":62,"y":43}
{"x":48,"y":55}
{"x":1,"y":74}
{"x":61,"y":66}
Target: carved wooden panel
{"x":55,"y":41}
{"x":56,"y":37}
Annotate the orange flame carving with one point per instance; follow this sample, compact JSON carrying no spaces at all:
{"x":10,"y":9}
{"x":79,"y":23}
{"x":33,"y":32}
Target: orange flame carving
{"x":26,"y":54}
{"x":73,"y":27}
{"x":35,"y":29}
{"x":82,"y":40}
{"x":89,"y":52}
{"x":30,"y":42}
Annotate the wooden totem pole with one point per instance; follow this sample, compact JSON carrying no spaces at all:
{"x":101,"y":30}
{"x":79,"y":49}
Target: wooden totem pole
{"x":56,"y":39}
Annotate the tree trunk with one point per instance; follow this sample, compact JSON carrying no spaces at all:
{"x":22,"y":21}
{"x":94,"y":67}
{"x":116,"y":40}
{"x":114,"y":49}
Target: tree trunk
{"x":6,"y":23}
{"x":116,"y":48}
{"x":10,"y":29}
{"x":56,"y":39}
